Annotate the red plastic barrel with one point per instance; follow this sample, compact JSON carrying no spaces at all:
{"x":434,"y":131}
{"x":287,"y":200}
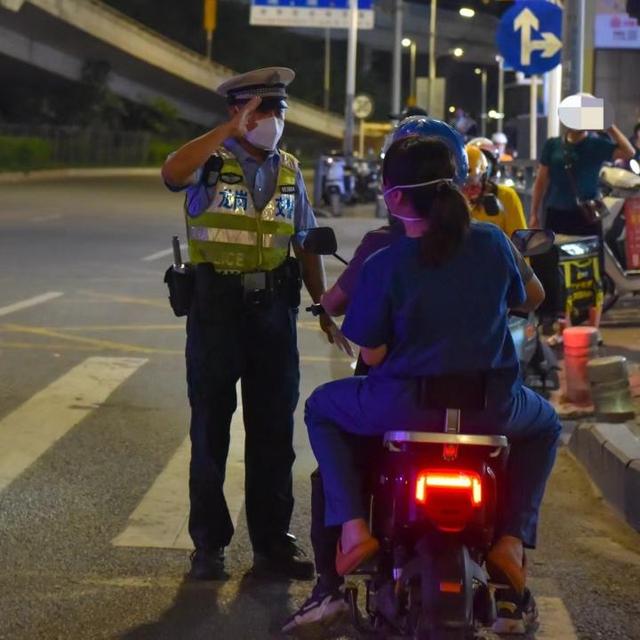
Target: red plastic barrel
{"x":580,"y":346}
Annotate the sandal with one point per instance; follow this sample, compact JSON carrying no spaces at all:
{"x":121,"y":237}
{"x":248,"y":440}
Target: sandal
{"x":347,"y":563}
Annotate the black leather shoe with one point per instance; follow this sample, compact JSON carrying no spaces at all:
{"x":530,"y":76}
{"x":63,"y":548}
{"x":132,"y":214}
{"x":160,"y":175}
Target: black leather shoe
{"x":207,"y":565}
{"x":283,"y":559}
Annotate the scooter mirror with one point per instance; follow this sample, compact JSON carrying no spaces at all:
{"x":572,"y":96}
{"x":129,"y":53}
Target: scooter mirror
{"x":533,"y":242}
{"x":634,"y":165}
{"x":321,"y":241}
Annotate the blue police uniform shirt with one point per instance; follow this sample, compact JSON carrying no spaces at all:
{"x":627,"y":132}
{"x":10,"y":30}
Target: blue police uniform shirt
{"x":261,"y":180}
{"x":446,"y":319}
{"x":587,"y":158}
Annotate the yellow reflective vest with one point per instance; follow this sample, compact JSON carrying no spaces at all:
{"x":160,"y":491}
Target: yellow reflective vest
{"x":235,"y":236}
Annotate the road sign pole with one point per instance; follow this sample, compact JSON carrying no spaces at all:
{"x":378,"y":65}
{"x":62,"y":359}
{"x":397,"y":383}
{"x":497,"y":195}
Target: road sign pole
{"x":412,"y":97}
{"x":579,"y":61}
{"x":361,"y":141}
{"x":533,"y":123}
{"x":500,"y":92}
{"x":554,"y":80}
{"x":397,"y":56}
{"x":483,"y":113}
{"x":352,"y":48}
{"x":327,"y":68}
{"x":573,"y":38}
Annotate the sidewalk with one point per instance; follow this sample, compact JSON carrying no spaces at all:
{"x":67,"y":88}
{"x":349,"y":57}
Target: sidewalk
{"x":101,"y":172}
{"x":610,"y":452}
{"x":93,"y":172}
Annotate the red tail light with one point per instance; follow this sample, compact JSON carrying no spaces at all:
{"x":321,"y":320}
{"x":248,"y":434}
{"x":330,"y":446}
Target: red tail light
{"x":450,"y":496}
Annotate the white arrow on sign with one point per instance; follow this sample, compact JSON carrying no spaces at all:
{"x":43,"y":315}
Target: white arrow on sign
{"x":526,"y":22}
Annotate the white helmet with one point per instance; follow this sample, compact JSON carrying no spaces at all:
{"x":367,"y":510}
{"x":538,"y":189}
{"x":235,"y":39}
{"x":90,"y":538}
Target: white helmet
{"x":499,"y":138}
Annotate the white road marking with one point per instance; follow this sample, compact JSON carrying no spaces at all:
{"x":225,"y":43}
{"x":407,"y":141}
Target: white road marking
{"x":555,"y":621}
{"x":161,"y":518}
{"x":47,"y":218}
{"x":30,"y":302}
{"x":162,"y":254}
{"x":27,"y":432}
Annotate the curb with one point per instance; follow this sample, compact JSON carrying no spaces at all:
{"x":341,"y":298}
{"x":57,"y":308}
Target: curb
{"x":610,"y":452}
{"x":108,"y":172}
{"x":54,"y":174}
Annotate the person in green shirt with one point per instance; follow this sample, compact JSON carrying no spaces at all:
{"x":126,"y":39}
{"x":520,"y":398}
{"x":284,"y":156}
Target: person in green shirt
{"x":585,"y":153}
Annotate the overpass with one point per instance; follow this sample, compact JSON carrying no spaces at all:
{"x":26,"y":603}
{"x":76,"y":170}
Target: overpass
{"x":59,"y":36}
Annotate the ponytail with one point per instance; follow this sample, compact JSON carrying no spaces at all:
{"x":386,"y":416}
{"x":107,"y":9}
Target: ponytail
{"x":449,"y":220}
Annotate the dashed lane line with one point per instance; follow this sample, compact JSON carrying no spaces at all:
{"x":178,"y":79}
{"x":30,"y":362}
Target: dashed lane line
{"x":99,"y":344}
{"x":162,"y":254}
{"x":29,"y":302}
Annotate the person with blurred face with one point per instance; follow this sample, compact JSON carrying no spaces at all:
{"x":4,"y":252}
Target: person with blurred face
{"x":246,"y":205}
{"x":567,"y":175}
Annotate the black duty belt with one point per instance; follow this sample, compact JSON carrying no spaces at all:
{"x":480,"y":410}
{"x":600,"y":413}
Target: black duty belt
{"x":257,"y":287}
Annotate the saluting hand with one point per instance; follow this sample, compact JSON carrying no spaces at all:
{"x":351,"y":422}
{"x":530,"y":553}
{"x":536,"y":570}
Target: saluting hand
{"x":239,"y":124}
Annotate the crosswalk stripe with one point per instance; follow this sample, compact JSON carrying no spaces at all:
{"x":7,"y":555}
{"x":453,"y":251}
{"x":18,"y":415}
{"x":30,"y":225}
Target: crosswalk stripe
{"x":30,"y":302}
{"x":555,"y":621}
{"x":27,"y":432}
{"x":161,"y":518}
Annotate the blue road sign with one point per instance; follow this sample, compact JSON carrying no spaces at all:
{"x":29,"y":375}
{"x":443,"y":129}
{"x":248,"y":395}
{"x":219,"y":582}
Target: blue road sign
{"x":529,"y":36}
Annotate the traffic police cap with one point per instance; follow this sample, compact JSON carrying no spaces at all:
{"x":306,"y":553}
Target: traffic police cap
{"x":269,"y":83}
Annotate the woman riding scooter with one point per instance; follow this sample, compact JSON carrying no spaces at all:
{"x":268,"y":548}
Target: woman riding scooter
{"x":411,"y":316}
{"x":326,"y":601}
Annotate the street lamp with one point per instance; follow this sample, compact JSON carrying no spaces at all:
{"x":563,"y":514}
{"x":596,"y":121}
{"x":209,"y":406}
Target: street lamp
{"x":482,"y":72}
{"x":467,"y":12}
{"x":411,"y":45}
{"x":458,"y":52}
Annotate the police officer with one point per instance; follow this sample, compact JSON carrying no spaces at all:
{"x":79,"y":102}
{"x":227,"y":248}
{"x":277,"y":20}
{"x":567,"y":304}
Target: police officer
{"x":246,"y":206}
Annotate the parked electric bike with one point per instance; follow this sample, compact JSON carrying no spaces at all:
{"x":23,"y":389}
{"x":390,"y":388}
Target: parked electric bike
{"x":334,"y":190}
{"x":434,"y":496}
{"x":622,"y":271}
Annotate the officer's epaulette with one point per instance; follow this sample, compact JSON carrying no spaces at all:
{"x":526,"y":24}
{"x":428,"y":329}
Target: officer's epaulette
{"x":289,"y":161}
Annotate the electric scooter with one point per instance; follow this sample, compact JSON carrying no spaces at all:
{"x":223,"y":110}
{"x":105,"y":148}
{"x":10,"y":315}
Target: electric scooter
{"x":334,"y":185}
{"x":434,"y":499}
{"x":622,"y":271}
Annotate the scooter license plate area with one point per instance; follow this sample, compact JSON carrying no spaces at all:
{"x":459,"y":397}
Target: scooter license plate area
{"x":404,"y":499}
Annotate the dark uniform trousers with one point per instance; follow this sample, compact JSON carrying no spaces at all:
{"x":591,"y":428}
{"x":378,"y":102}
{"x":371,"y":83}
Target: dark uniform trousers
{"x":230,"y":340}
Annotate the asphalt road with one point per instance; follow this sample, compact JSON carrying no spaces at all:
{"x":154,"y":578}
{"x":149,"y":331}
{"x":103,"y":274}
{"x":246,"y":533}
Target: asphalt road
{"x":93,"y":422}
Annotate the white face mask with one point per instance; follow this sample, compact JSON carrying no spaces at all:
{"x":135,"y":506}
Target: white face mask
{"x":267,"y":133}
{"x":412,"y":186}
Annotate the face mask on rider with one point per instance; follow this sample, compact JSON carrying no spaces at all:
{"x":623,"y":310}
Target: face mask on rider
{"x":412,"y":186}
{"x":266,"y":134}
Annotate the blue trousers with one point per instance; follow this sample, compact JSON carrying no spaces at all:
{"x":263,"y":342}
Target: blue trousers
{"x":373,"y":405}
